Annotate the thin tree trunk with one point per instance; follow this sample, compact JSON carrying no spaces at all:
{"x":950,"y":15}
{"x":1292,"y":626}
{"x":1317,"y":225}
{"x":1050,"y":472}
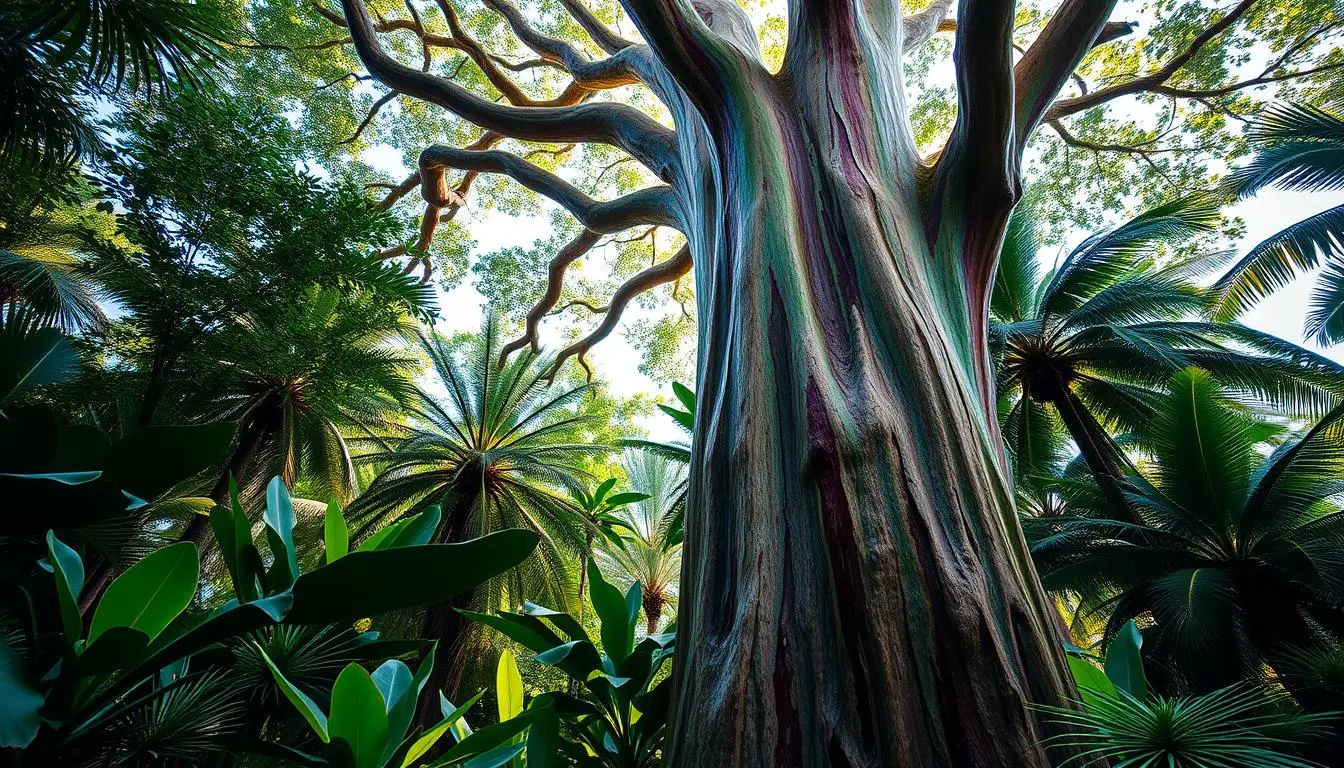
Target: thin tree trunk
{"x":1096,"y":448}
{"x":583,"y":569}
{"x":442,"y":622}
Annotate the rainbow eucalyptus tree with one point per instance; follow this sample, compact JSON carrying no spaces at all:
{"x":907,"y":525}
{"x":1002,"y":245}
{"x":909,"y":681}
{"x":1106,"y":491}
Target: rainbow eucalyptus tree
{"x":856,"y":591}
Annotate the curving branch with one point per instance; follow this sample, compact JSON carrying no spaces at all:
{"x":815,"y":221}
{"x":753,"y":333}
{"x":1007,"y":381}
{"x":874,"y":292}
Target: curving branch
{"x":484,"y":61}
{"x":555,"y":283}
{"x":612,"y":72}
{"x":651,"y":205}
{"x":1152,"y":80}
{"x":982,"y":138}
{"x":1076,"y":28}
{"x":663,"y":272}
{"x":615,"y":124}
{"x":602,"y":35}
{"x":386,"y":99}
{"x":918,"y":28}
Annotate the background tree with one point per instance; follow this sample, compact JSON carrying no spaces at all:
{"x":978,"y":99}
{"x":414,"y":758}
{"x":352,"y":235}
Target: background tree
{"x":495,"y":449}
{"x":1232,"y":554}
{"x":648,"y":546}
{"x":1086,"y":349}
{"x":842,"y":286}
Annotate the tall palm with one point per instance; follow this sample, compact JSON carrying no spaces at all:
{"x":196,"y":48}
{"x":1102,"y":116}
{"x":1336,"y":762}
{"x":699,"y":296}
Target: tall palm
{"x":1086,"y":350}
{"x":1300,"y":148}
{"x":299,"y":380}
{"x":495,"y":448}
{"x":648,"y":549}
{"x":1234,"y":555}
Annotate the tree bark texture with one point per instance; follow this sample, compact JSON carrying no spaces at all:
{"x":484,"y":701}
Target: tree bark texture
{"x":855,"y":588}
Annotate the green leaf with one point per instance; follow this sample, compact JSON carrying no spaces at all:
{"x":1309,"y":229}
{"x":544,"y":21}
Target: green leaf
{"x":365,"y":584}
{"x":148,"y":462}
{"x":686,"y":420}
{"x":527,"y":631}
{"x":359,"y":716}
{"x":621,"y":499}
{"x":685,"y":395}
{"x":151,"y":593}
{"x":418,"y":530}
{"x":578,"y":658}
{"x":64,"y":478}
{"x":431,"y":737}
{"x":488,"y":738}
{"x":1124,"y":662}
{"x":69,"y":572}
{"x":117,"y":648}
{"x":602,"y":490}
{"x":32,"y":358}
{"x":306,"y":706}
{"x":1091,"y":681}
{"x":335,"y":533}
{"x":280,"y":521}
{"x":401,"y":701}
{"x":19,"y":701}
{"x":241,"y":558}
{"x":543,"y":739}
{"x":508,"y":686}
{"x":495,"y":758}
{"x":617,"y":628}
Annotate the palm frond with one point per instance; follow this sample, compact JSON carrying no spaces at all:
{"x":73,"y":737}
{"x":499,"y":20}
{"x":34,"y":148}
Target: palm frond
{"x":1277,"y":261}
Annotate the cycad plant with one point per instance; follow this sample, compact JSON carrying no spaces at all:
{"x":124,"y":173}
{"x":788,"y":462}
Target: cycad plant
{"x":1233,"y":555}
{"x":1086,"y":350}
{"x":647,"y":548}
{"x":495,"y":447}
{"x":1300,"y":148}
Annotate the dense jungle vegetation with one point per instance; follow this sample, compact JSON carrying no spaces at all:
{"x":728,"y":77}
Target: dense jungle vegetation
{"x":626,"y":383}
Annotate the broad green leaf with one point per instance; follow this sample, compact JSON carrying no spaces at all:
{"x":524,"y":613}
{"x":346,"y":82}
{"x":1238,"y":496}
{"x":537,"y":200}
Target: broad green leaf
{"x":1092,"y":682}
{"x":1124,"y":662}
{"x":488,"y":738}
{"x":33,"y":358}
{"x":543,"y":739}
{"x":69,"y":572}
{"x":20,"y":700}
{"x":431,"y":737}
{"x":508,"y":686}
{"x":685,"y":395}
{"x":117,"y":648}
{"x":621,"y":499}
{"x":418,"y":530}
{"x":280,"y":521}
{"x":603,"y":490}
{"x":151,"y":593}
{"x":401,"y":699}
{"x":611,"y":611}
{"x":335,"y":533}
{"x":527,"y":631}
{"x":359,"y":716}
{"x":686,"y":420}
{"x":64,"y":478}
{"x":495,"y":758}
{"x":365,"y":584}
{"x":306,"y":706}
{"x":233,"y":534}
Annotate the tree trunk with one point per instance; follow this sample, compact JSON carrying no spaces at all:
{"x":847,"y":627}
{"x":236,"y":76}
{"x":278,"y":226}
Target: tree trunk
{"x":442,"y":621}
{"x":1096,"y":448}
{"x":855,"y":587}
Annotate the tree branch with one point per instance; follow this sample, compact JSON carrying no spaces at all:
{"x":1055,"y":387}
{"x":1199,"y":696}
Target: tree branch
{"x":615,"y":124}
{"x":611,"y":72}
{"x":1148,"y":82}
{"x":373,"y":112}
{"x":663,"y":272}
{"x":555,"y":283}
{"x":982,"y":138}
{"x":606,"y":39}
{"x":1076,"y":28}
{"x":651,"y":205}
{"x":918,"y":28}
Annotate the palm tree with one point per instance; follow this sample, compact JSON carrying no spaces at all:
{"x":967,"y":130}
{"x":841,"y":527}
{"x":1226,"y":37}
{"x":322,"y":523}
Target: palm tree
{"x":298,"y":379}
{"x":648,"y":549}
{"x":598,"y":510}
{"x":1232,"y":555}
{"x":1086,"y":350}
{"x":1301,"y":148}
{"x":495,"y":447}
{"x":52,"y":54}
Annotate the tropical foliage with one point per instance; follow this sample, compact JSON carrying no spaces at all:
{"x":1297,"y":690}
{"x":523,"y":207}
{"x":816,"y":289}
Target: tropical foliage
{"x":288,"y":466}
